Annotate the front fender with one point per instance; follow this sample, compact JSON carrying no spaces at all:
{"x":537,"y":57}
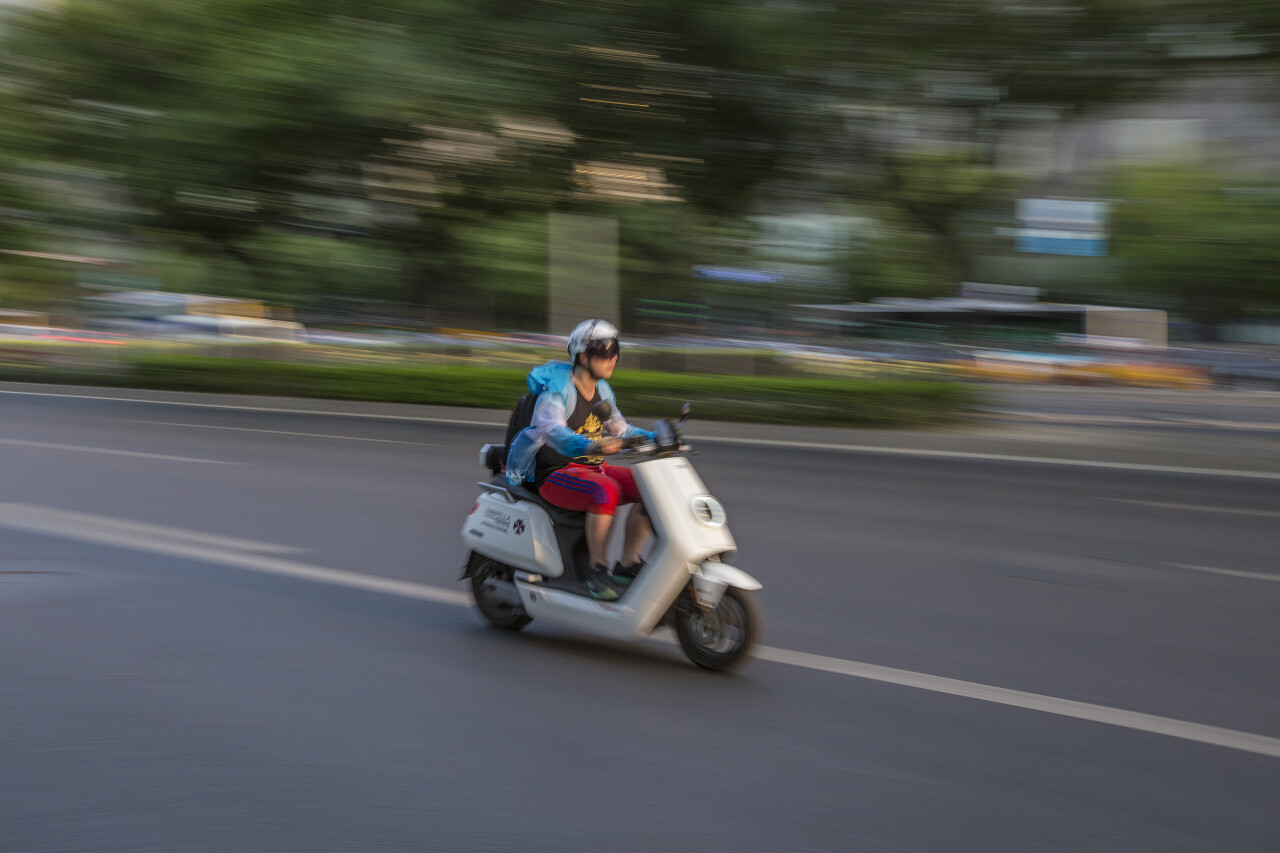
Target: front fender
{"x":723,"y":573}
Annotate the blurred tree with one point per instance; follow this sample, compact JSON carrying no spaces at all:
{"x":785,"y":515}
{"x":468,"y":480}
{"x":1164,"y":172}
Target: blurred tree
{"x":1197,"y":243}
{"x":439,"y":133}
{"x":506,"y":263}
{"x":228,"y":118}
{"x":897,"y":259}
{"x":1219,"y":30}
{"x":660,"y":245}
{"x":413,"y":122}
{"x":933,"y":187}
{"x":911,"y":101}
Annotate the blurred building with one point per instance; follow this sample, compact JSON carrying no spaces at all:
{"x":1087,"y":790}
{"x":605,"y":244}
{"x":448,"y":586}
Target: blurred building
{"x":984,"y":314}
{"x":151,"y":304}
{"x":1222,"y":113}
{"x":162,"y":314}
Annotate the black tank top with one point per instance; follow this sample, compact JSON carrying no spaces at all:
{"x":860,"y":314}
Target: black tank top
{"x":582,"y":421}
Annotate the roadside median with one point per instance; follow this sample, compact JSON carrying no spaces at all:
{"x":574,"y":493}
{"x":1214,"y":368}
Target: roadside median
{"x":753,"y":399}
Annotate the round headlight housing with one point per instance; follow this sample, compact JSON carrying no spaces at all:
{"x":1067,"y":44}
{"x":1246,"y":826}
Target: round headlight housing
{"x":708,"y":511}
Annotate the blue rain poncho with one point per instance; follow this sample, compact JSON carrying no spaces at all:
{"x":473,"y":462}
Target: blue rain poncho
{"x":557,"y":397}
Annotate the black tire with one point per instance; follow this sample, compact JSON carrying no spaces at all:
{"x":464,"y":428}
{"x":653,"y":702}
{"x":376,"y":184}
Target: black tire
{"x":497,"y":612}
{"x":719,"y":639}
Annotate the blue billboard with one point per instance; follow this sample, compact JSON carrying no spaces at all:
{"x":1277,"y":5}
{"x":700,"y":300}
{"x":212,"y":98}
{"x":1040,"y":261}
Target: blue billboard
{"x":1050,"y":226}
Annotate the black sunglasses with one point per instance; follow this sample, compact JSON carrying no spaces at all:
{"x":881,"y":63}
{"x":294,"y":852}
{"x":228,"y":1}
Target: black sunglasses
{"x":603,"y":349}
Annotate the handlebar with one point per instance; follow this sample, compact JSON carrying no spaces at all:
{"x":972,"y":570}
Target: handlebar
{"x":629,"y":443}
{"x":666,"y":441}
{"x":667,"y":438}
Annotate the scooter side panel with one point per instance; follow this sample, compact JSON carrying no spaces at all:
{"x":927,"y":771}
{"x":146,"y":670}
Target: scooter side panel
{"x":517,"y":533}
{"x":630,"y":618}
{"x":683,"y":512}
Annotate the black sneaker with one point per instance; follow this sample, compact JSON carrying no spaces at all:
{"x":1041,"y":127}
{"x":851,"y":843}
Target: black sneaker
{"x":600,"y":584}
{"x":624,"y":575}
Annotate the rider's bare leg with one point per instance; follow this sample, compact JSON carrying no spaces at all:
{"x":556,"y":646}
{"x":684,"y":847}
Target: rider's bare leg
{"x":598,"y":527}
{"x":637,"y":530}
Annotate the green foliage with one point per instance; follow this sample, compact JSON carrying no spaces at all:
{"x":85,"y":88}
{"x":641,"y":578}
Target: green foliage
{"x":506,"y":260}
{"x":302,"y":271}
{"x":1197,"y":242}
{"x":812,"y":402}
{"x":926,"y":191}
{"x":407,"y":152}
{"x":862,"y":402}
{"x":900,"y":260}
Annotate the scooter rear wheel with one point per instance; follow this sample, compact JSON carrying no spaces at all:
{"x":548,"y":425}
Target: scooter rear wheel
{"x":720,"y":638}
{"x":497,"y":612}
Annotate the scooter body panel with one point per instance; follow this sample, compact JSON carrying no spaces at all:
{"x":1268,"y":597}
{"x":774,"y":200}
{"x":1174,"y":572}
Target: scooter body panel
{"x":685,"y":517}
{"x":690,"y":529}
{"x":517,"y":533}
{"x":618,"y":620}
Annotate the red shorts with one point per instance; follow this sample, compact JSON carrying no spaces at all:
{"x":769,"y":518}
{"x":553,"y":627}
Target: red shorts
{"x":596,"y":489}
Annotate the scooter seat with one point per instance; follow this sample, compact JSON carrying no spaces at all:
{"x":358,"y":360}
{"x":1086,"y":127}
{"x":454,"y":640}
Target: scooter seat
{"x":560,"y":516}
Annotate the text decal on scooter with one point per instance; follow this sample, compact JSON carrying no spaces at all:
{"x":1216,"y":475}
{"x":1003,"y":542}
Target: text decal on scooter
{"x":496,"y":519}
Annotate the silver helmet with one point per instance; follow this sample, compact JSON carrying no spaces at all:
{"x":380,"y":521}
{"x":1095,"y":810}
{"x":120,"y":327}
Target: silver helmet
{"x":591,"y":335}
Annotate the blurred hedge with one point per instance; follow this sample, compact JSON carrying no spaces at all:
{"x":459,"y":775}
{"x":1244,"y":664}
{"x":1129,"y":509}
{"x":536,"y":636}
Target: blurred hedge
{"x":796,"y":400}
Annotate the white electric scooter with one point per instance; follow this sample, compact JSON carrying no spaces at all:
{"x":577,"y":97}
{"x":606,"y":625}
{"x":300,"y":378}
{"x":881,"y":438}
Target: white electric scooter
{"x":528,"y":559}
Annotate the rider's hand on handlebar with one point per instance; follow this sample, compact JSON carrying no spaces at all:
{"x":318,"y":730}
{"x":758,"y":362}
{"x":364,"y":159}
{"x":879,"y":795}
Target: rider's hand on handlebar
{"x":609,"y":446}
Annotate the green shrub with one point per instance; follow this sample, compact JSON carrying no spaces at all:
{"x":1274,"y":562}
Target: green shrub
{"x":643,"y":394}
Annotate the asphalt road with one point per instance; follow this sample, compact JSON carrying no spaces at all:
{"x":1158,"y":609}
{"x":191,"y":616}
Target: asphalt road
{"x":967,"y":650}
{"x":1249,"y":411}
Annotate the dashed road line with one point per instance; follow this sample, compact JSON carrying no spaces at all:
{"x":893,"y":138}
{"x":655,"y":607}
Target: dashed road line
{"x":203,"y":547}
{"x":992,"y":457}
{"x":41,"y":518}
{"x":1230,"y":510}
{"x":279,"y":410}
{"x":77,"y":448}
{"x":123,"y":533}
{"x":1231,"y":573}
{"x":1181,"y":729}
{"x":287,"y":432}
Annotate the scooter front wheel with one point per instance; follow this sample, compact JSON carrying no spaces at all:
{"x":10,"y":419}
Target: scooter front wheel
{"x":492,"y":607}
{"x":721,"y":637}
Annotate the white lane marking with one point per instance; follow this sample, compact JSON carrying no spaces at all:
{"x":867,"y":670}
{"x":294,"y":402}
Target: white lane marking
{"x":35,"y":519}
{"x":194,"y":404}
{"x":1134,"y":420}
{"x":1231,"y":510}
{"x":761,"y":442}
{"x":65,"y":519}
{"x":123,"y":534}
{"x":285,"y":432}
{"x":1213,"y":735}
{"x":135,"y":453}
{"x":993,"y":457}
{"x":1234,"y":573}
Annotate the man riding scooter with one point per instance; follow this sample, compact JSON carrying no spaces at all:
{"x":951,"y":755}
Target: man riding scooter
{"x":562,"y":452}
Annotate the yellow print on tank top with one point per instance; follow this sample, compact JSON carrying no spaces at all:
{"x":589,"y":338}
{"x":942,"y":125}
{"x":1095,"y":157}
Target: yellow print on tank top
{"x":591,"y":429}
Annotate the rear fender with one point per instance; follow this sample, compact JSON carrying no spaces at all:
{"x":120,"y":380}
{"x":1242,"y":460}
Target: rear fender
{"x":473,"y":562}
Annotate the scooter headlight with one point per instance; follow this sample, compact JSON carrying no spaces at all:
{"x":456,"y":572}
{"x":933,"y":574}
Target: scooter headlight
{"x":709,"y":511}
